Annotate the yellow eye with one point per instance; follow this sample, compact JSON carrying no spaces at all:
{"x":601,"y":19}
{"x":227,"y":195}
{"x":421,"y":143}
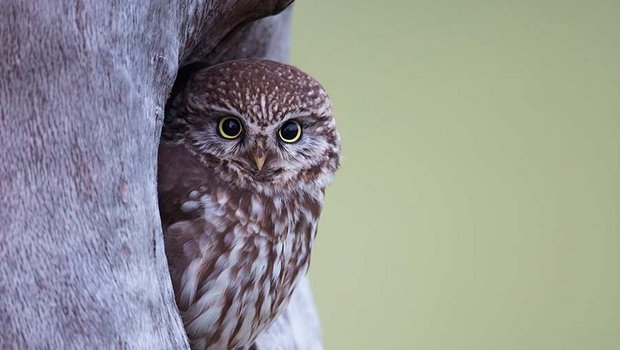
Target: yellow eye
{"x":229,"y":128}
{"x":290,"y":131}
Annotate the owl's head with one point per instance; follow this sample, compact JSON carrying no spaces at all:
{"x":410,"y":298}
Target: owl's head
{"x":258,"y":123}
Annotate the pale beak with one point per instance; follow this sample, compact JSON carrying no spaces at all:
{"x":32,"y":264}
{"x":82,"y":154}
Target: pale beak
{"x":259,"y":156}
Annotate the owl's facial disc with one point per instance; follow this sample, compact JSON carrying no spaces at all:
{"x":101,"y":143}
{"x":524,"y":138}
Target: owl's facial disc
{"x":293,"y":149}
{"x":263,"y":153}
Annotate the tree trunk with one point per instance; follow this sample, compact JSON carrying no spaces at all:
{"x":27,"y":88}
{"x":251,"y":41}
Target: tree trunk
{"x":83,"y":87}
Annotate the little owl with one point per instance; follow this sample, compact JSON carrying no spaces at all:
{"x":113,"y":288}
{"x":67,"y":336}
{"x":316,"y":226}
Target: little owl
{"x":246,"y":153}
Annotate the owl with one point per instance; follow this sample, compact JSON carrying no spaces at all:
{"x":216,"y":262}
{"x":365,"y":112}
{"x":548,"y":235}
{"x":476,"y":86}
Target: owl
{"x":246,"y":153}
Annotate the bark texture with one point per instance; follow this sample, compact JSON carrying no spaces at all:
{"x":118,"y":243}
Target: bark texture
{"x":83,"y":86}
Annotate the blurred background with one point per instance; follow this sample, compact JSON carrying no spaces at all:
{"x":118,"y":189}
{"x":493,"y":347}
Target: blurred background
{"x":478,"y":203}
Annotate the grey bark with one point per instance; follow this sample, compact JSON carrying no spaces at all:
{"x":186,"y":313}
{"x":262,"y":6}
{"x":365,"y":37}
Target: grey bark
{"x":83,"y":86}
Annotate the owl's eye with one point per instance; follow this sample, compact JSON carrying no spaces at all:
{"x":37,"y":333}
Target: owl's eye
{"x":229,"y":128}
{"x":290,"y":131}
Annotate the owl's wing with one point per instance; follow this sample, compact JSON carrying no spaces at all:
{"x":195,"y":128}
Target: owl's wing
{"x":297,"y":327}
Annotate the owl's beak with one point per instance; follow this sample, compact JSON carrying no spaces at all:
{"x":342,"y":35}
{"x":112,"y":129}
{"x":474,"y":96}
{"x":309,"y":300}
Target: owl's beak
{"x":259,"y":156}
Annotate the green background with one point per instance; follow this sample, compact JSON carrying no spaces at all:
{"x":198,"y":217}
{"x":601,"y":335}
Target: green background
{"x":478,"y":202}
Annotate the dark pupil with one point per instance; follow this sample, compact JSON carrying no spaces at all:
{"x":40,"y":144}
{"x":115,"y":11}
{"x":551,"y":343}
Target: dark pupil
{"x":231,"y":127}
{"x":289,"y":131}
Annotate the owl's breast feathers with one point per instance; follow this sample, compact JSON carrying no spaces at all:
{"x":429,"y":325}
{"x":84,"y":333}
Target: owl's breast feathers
{"x":235,"y":255}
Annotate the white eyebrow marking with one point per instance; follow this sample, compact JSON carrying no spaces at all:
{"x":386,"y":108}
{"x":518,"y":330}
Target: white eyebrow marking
{"x":296,"y":114}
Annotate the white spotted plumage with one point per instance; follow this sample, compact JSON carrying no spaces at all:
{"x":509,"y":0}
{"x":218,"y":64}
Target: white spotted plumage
{"x":283,"y":245}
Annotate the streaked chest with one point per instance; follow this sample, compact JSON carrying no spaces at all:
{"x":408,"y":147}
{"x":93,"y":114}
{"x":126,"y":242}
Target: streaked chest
{"x":247,"y":257}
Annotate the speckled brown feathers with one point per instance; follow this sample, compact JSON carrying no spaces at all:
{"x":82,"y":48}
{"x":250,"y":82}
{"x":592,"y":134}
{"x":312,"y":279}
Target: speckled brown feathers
{"x":239,"y":233}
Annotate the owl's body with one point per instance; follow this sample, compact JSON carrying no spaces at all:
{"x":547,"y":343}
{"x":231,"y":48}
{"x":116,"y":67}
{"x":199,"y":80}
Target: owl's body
{"x":240,"y":213}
